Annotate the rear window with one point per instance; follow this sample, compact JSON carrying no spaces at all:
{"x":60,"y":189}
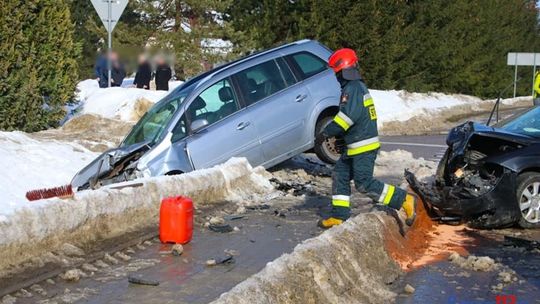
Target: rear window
{"x":307,"y":64}
{"x":261,"y":81}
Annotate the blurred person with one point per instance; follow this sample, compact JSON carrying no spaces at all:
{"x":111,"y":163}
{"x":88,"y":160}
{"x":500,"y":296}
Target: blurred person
{"x":163,"y":74}
{"x":100,"y":70}
{"x":118,"y":72}
{"x":144,"y":73}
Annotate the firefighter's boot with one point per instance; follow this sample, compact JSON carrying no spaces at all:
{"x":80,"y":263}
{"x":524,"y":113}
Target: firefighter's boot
{"x":330,"y":222}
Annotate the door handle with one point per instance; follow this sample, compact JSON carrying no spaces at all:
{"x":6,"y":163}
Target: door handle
{"x":301,"y":97}
{"x":242,"y":125}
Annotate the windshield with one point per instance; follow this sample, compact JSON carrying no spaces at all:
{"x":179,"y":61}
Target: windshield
{"x":152,"y":124}
{"x":527,"y":123}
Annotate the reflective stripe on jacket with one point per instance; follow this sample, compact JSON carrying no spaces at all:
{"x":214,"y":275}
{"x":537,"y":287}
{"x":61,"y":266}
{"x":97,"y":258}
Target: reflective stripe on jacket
{"x":356,"y":120}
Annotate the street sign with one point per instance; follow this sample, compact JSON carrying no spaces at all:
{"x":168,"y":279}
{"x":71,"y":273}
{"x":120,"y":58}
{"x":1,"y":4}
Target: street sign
{"x":524,"y":59}
{"x":109,"y":12}
{"x":116,"y":9}
{"x":527,"y":59}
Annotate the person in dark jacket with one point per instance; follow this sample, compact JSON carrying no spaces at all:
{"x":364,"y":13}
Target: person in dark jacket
{"x":144,"y":74}
{"x":100,"y":70}
{"x":356,"y":125}
{"x":118,"y":72}
{"x":163,"y":75}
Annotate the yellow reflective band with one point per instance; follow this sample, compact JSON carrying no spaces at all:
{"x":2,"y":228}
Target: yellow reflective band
{"x":368,"y":102}
{"x":389,"y":195}
{"x":363,"y":149}
{"x":340,"y":203}
{"x":342,"y":123}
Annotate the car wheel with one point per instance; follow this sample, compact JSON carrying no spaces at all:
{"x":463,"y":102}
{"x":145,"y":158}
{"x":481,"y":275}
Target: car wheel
{"x":528,"y":199}
{"x":326,"y":151}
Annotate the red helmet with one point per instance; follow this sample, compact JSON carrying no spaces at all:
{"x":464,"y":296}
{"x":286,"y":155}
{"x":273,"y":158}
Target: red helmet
{"x":341,"y":59}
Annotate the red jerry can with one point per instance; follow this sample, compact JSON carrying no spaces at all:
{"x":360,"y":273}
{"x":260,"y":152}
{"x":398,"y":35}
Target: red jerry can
{"x":176,"y":220}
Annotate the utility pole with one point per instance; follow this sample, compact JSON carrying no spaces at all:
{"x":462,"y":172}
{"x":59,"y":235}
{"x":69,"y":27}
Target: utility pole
{"x":109,"y":40}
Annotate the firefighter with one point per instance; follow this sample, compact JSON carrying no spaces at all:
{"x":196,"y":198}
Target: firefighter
{"x":536,"y":95}
{"x":356,"y":126}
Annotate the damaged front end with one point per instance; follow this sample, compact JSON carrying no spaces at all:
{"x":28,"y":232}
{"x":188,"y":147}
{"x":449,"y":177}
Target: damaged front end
{"x":472,"y":183}
{"x":113,"y":166}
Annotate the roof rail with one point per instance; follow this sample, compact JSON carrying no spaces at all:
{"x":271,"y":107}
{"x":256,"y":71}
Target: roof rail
{"x":254,"y":55}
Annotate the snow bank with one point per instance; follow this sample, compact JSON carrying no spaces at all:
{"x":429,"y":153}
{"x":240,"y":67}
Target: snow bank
{"x":30,"y":163}
{"x":402,"y":105}
{"x":95,"y":216}
{"x":118,"y":102}
{"x":346,"y":264}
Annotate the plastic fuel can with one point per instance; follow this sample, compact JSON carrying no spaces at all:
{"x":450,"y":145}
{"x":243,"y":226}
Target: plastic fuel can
{"x":176,"y":220}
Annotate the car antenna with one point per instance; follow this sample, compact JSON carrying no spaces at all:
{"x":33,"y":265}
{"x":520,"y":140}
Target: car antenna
{"x":495,"y":109}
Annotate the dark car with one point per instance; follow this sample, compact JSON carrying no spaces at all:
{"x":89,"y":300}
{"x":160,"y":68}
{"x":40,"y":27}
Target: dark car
{"x":489,"y":175}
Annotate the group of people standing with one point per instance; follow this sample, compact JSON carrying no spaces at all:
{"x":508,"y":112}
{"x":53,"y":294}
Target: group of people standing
{"x":162,"y":73}
{"x":101,"y":69}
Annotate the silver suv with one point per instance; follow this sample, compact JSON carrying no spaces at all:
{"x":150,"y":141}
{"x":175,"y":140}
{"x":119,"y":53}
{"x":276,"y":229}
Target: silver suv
{"x":266,"y":107}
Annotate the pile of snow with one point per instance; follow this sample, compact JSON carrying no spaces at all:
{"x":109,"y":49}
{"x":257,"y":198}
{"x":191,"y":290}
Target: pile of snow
{"x":33,"y":164}
{"x":118,"y":102}
{"x":97,"y":215}
{"x":395,"y":105}
{"x":346,"y":264}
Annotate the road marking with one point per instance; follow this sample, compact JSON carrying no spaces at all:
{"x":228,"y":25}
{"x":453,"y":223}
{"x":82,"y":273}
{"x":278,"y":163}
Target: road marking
{"x":413,"y":144}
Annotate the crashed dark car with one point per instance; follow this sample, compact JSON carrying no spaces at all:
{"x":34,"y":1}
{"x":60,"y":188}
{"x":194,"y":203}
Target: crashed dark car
{"x":489,"y":175}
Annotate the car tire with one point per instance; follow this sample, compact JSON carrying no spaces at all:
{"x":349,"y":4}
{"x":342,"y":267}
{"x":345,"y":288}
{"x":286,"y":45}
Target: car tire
{"x":528,"y":182}
{"x":326,"y":151}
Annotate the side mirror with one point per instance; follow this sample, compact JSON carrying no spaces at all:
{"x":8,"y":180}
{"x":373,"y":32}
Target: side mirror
{"x":198,"y":124}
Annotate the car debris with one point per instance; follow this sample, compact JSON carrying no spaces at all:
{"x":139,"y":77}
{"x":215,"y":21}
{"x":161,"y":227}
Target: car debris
{"x":141,"y":281}
{"x":489,"y":175}
{"x":221,"y":228}
{"x":177,"y":249}
{"x":520,"y":242}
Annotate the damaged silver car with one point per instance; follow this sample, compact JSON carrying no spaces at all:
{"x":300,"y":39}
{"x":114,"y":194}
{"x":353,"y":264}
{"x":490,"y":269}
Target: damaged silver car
{"x":489,"y":175}
{"x":266,"y":107}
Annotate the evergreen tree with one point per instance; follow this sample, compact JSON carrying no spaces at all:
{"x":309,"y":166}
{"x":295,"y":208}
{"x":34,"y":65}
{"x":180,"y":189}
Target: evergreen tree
{"x":38,"y":63}
{"x":190,"y":30}
{"x":449,"y":46}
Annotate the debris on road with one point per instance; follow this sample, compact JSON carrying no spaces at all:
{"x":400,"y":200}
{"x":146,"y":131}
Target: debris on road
{"x":177,"y":249}
{"x":520,"y":242}
{"x":475,"y":263}
{"x":409,"y":289}
{"x":228,"y":259}
{"x":73,"y":275}
{"x":220,"y":228}
{"x":140,"y":281}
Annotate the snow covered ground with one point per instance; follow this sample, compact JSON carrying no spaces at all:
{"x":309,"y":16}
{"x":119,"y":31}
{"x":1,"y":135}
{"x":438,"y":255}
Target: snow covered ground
{"x":29,"y":164}
{"x":118,"y":102}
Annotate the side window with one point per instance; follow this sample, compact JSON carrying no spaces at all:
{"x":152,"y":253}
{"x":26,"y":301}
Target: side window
{"x":215,"y":103}
{"x":261,"y":81}
{"x":308,"y":64}
{"x":286,"y":72}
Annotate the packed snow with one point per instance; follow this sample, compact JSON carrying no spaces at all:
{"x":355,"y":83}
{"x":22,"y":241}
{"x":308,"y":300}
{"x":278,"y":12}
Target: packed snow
{"x":117,"y":102}
{"x":34,"y":164}
{"x":395,"y":105}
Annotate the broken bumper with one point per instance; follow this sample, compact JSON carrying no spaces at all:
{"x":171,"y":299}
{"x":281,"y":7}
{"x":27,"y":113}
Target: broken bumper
{"x":446,"y":203}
